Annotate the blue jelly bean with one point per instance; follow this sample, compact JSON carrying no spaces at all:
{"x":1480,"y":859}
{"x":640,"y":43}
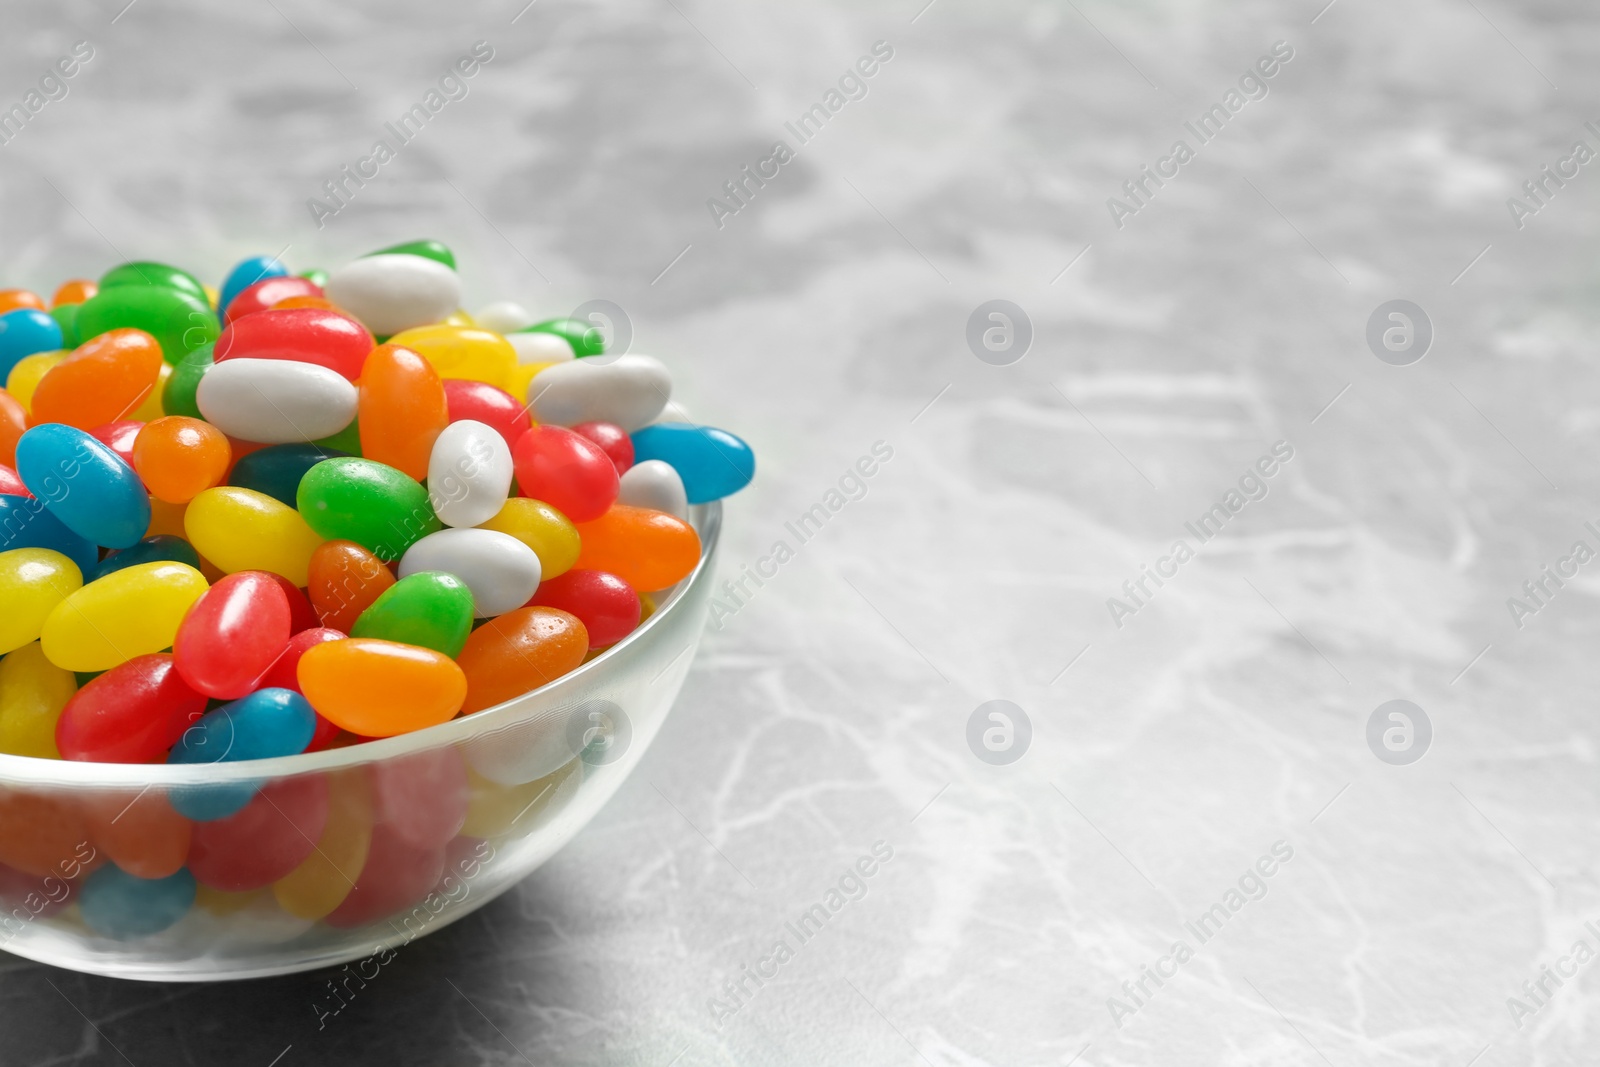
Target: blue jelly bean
{"x":266,"y":724}
{"x":277,"y":470}
{"x":151,"y":550}
{"x":117,"y":905}
{"x":712,"y":463}
{"x":246,"y":274}
{"x":26,"y":523}
{"x":84,"y":484}
{"x":24,"y":332}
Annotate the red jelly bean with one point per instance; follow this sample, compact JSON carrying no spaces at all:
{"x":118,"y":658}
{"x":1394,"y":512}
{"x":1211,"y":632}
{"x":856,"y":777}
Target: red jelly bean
{"x":281,"y":675}
{"x":302,"y":616}
{"x":421,"y":798}
{"x":232,"y":634}
{"x":264,"y":840}
{"x":306,"y":335}
{"x":612,"y":439}
{"x":488,"y":404}
{"x":268,"y":291}
{"x":608,"y":607}
{"x":119,"y":436}
{"x":395,"y":877}
{"x":570,"y":473}
{"x":132,"y":713}
{"x":11,"y":482}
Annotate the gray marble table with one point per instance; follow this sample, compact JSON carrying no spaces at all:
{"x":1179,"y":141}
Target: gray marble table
{"x":1199,"y":856}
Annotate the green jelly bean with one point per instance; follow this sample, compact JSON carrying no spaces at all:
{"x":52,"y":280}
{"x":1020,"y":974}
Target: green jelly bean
{"x":431,"y":609}
{"x":346,"y":441}
{"x":370,"y":503}
{"x":316,"y":277}
{"x":66,"y":316}
{"x":178,"y":396}
{"x":156,"y":274}
{"x":179,"y":321}
{"x":584,"y":337}
{"x":434,"y":250}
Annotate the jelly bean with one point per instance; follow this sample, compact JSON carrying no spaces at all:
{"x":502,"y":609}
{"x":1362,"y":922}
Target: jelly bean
{"x":122,"y":907}
{"x":584,"y":338}
{"x":153,"y":549}
{"x":11,"y":299}
{"x":404,"y":407}
{"x":649,"y":550}
{"x":32,"y":693}
{"x":430,"y":609}
{"x":503,"y":316}
{"x":655,"y":484}
{"x":461,"y":352}
{"x":11,"y":482}
{"x":380,"y":688}
{"x":179,"y":457}
{"x":28,"y":372}
{"x":130,"y":714}
{"x":344,"y":580}
{"x":346,"y":442}
{"x":501,"y":571}
{"x":128,"y":613}
{"x":482,"y":402}
{"x":84,"y":484}
{"x":25,"y":522}
{"x":325,"y":877}
{"x":13,"y":423}
{"x":306,"y":335}
{"x":178,"y":394}
{"x":607,"y":606}
{"x":242,"y":530}
{"x":73,"y":292}
{"x":232,"y":635}
{"x":149,"y":408}
{"x":275,"y":401}
{"x":540,"y":347}
{"x":370,"y":503}
{"x":223,"y":904}
{"x":247,"y":273}
{"x":542,"y":528}
{"x":302,"y":616}
{"x":421,"y":798}
{"x":118,"y":436}
{"x":395,"y":876}
{"x":522,"y":376}
{"x":469,"y":474}
{"x":428,"y":248}
{"x":713,"y":463}
{"x":519,"y":652}
{"x":395,"y":291}
{"x":612,"y":441}
{"x":32,"y":582}
{"x":157,"y":275}
{"x":266,"y":293}
{"x":66,"y":317}
{"x":263,"y":725}
{"x":284,"y":672}
{"x":39,"y":831}
{"x":263,"y":840}
{"x":495,"y":810}
{"x":316,"y":276}
{"x":565,"y":470}
{"x":102,"y":380}
{"x":138,"y":831}
{"x":320,"y":302}
{"x":277,"y":469}
{"x":629,"y":391}
{"x":24,"y":332}
{"x":180,"y":323}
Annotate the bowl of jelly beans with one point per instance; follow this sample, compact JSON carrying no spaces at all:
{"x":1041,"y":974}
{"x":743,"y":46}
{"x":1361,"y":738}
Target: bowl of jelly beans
{"x":328,"y":610}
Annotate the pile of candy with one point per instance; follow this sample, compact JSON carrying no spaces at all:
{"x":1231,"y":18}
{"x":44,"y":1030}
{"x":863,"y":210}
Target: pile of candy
{"x":311,"y":510}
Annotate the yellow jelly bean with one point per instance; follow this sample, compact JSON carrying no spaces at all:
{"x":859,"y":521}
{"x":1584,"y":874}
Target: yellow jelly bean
{"x":211,"y":294}
{"x":494,"y":809}
{"x":459,"y":317}
{"x":24,"y":377}
{"x":221,"y":902}
{"x":542,"y":528}
{"x":32,"y":693}
{"x":462,"y":352}
{"x":321,"y":883}
{"x":243,"y":530}
{"x":149,"y":408}
{"x":522,"y":376}
{"x":32,"y":582}
{"x":128,"y":613}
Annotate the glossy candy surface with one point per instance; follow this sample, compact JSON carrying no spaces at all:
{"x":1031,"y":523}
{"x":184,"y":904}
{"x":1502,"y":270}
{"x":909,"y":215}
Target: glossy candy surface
{"x":462,"y":352}
{"x":276,"y":470}
{"x":630,"y":391}
{"x":267,"y":292}
{"x":482,"y":402}
{"x":153,"y":549}
{"x":119,"y":436}
{"x":551,"y":535}
{"x":104,"y":379}
{"x":518,"y":652}
{"x":307,"y":335}
{"x":539,"y":347}
{"x":469,"y":474}
{"x":131,"y":612}
{"x":179,"y":322}
{"x":566,"y":470}
{"x":403,"y":408}
{"x":24,"y":332}
{"x":344,"y":580}
{"x":275,"y":401}
{"x":713,"y":463}
{"x":612,"y":441}
{"x":247,"y":273}
{"x":379,"y":688}
{"x":178,"y":394}
{"x":607,"y":606}
{"x":284,"y":672}
{"x":266,"y":724}
{"x":501,"y":571}
{"x":75,"y":291}
{"x":32,"y":582}
{"x":232,"y":634}
{"x":654,"y":484}
{"x":155,"y":275}
{"x":28,"y":372}
{"x":33,"y":692}
{"x":11,"y":483}
{"x":25,"y":522}
{"x":178,"y":458}
{"x":242,"y":530}
{"x":649,"y":550}
{"x":370,"y":503}
{"x":394,"y":292}
{"x":430,"y":609}
{"x":583,"y":338}
{"x":129,"y":714}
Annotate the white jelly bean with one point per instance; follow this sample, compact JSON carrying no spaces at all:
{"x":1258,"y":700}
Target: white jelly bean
{"x":395,"y":291}
{"x":504,"y":317}
{"x":469,"y":473}
{"x":673,"y":412}
{"x":628,"y":391}
{"x":501,"y":571}
{"x":276,"y":401}
{"x":654,"y":483}
{"x":540,"y":347}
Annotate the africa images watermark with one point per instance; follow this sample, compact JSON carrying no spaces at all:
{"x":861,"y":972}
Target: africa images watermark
{"x":1252,"y":86}
{"x":1542,"y":189}
{"x":1541,"y":589}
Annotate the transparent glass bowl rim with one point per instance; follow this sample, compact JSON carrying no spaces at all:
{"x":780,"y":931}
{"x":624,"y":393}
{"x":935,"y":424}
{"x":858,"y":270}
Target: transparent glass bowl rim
{"x":33,"y":771}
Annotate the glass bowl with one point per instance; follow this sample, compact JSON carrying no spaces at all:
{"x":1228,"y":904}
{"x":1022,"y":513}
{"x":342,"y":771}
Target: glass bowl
{"x":335,"y":856}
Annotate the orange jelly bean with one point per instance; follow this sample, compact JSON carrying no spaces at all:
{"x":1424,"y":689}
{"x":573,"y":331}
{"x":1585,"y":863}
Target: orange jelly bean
{"x":518,"y":651}
{"x":138,"y":831}
{"x":12,"y":299}
{"x":344,"y":581}
{"x":179,"y":457}
{"x":402,"y":409}
{"x":75,"y":291}
{"x":319,"y":302}
{"x":13,"y":423}
{"x":103,"y":380}
{"x":39,"y":831}
{"x":648,"y":549}
{"x":380,"y":688}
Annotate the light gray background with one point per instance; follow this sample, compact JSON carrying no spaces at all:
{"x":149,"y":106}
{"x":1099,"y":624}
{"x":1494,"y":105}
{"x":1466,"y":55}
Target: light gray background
{"x":831,"y":711}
